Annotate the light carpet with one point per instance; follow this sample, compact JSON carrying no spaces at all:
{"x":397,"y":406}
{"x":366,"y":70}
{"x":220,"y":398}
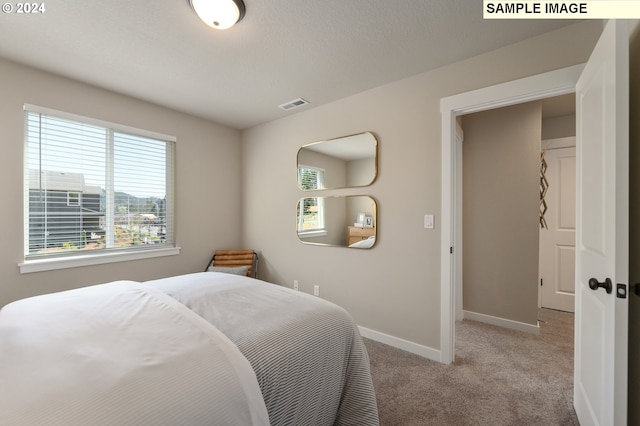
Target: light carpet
{"x":499,"y":377}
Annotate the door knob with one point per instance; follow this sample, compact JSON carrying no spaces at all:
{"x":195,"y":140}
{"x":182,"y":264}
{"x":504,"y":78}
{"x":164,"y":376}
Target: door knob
{"x":607,"y":285}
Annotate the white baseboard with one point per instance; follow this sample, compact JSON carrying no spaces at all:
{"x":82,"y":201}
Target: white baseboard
{"x":501,"y":322}
{"x":399,"y":343}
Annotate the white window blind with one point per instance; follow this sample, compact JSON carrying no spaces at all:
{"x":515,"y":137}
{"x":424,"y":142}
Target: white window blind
{"x":310,"y":209}
{"x":92,"y":186}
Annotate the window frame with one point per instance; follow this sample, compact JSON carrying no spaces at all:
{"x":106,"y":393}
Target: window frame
{"x":45,"y":263}
{"x":74,"y":199}
{"x":320,"y":230}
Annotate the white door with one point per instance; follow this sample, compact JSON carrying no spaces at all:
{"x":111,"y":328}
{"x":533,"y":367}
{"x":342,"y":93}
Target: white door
{"x":602,"y":241}
{"x":558,"y":241}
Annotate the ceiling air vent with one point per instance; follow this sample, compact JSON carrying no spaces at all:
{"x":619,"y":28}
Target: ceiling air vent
{"x":296,"y":103}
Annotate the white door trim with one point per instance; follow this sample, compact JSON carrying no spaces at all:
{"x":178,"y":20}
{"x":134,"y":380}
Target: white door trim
{"x":457,"y":214}
{"x":549,"y":84}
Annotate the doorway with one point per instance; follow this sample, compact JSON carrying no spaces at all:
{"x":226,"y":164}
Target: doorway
{"x":517,"y":257}
{"x":602,"y":87}
{"x":554,"y":83}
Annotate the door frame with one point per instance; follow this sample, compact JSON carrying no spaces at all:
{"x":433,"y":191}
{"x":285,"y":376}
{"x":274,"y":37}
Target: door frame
{"x":540,"y":86}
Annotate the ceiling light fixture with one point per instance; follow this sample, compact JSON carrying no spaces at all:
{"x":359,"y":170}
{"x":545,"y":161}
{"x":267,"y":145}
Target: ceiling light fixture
{"x":219,"y":14}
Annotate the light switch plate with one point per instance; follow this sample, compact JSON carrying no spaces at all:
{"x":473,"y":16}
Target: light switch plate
{"x":428,"y":221}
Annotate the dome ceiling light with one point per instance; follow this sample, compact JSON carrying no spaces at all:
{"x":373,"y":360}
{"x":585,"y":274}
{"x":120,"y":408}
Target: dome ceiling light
{"x":219,"y":14}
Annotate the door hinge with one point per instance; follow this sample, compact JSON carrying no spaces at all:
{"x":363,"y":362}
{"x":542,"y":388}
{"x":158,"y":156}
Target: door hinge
{"x":450,"y":250}
{"x":541,"y":282}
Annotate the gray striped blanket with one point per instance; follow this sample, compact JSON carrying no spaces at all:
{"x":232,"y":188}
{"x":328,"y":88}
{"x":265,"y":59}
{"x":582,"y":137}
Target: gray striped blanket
{"x":307,"y":353}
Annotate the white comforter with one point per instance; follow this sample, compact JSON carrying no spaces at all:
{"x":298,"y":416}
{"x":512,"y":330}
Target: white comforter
{"x":121,"y":353}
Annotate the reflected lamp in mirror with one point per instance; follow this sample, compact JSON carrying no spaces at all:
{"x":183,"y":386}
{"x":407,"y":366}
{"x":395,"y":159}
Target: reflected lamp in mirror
{"x":333,"y":221}
{"x":345,"y":162}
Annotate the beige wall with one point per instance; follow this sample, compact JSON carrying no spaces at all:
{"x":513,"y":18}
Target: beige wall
{"x":634,"y":241}
{"x":393,"y":288}
{"x":501,"y":184}
{"x":563,"y":126}
{"x":335,"y":168}
{"x":357,"y":205}
{"x":360,"y":172}
{"x":208,"y":180}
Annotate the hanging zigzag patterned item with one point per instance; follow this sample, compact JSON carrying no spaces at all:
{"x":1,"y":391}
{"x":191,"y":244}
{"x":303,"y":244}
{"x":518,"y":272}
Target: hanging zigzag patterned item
{"x":544,"y":186}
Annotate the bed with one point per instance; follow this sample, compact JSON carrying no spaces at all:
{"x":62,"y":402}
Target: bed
{"x":204,"y":348}
{"x":366,"y":243}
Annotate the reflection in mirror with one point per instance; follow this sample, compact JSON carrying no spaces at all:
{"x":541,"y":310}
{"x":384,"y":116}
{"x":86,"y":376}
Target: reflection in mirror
{"x":345,"y":162}
{"x":347,"y":221}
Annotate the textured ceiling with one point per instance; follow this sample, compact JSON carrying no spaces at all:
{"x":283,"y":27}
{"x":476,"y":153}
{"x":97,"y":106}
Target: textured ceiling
{"x":159,"y":51}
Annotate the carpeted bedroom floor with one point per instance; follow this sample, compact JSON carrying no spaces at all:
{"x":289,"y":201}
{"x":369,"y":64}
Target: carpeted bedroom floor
{"x":499,"y":377}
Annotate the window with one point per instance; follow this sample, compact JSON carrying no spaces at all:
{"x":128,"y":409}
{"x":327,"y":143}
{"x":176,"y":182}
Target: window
{"x":94,"y":188}
{"x":311,"y":209}
{"x":73,"y":198}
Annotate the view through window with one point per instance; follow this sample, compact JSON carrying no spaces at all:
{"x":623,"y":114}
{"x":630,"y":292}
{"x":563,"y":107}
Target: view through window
{"x":91,"y":185}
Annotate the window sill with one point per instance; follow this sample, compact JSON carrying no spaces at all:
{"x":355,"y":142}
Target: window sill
{"x":93,"y":259}
{"x":313,"y":234}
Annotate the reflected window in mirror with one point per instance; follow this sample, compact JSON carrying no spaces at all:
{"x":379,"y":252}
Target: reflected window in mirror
{"x":310,"y":178}
{"x":310,"y":216}
{"x":311,"y":209}
{"x":346,"y":162}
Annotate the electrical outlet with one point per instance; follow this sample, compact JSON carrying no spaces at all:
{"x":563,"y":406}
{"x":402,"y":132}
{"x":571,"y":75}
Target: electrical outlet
{"x":316,"y":290}
{"x":295,"y":285}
